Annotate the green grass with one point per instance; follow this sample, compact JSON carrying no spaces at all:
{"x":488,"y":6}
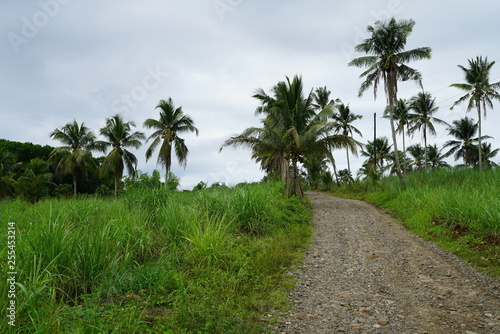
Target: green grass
{"x":458,"y":209}
{"x":154,"y":261}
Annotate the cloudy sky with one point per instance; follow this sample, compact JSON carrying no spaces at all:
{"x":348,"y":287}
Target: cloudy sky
{"x":88,"y":60}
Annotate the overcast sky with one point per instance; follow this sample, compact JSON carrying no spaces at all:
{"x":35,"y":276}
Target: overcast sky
{"x":88,"y":60}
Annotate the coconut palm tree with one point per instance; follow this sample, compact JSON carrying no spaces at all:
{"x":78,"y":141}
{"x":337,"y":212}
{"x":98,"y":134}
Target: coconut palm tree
{"x":435,"y":157}
{"x":74,"y":156}
{"x":401,"y":115}
{"x":417,"y":152}
{"x":35,"y":182}
{"x":168,"y":127}
{"x":292,"y":131}
{"x":322,"y":99}
{"x":487,"y":154}
{"x":480,"y":92}
{"x":464,"y":131}
{"x":422,"y":119}
{"x":387,"y":61}
{"x":268,"y":148}
{"x":119,"y":136}
{"x":8,"y":166}
{"x":343,"y":120}
{"x":383,"y":156}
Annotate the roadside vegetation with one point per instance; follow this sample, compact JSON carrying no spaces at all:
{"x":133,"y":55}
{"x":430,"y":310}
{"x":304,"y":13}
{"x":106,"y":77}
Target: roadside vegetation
{"x":104,"y":247}
{"x":154,"y":260}
{"x":459,"y":209}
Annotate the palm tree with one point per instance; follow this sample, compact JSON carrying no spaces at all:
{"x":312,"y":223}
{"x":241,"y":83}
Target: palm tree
{"x":75,"y":155}
{"x":292,"y":131}
{"x":171,"y":123}
{"x":422,"y":119}
{"x":343,"y":120}
{"x":8,"y":166}
{"x":268,"y":148}
{"x":119,"y":137}
{"x":487,"y":154}
{"x":401,"y":115}
{"x":417,"y":152}
{"x":435,"y":158}
{"x":322,"y":99}
{"x":465,"y":131}
{"x":387,"y":60}
{"x":383,"y":155}
{"x":480,"y":92}
{"x":35,"y":182}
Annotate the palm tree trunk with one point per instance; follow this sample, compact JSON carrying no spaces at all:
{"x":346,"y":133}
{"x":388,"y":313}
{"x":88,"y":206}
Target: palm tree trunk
{"x":404,"y":152}
{"x":479,"y":141}
{"x":348,"y":163}
{"x":296,"y":186}
{"x":425,"y":148}
{"x":392,"y":102}
{"x":284,"y":169}
{"x":332,"y":161}
{"x":74,"y":183}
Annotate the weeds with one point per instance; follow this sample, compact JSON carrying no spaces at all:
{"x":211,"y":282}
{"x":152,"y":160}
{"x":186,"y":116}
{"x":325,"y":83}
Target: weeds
{"x":459,"y":209}
{"x":211,"y":261}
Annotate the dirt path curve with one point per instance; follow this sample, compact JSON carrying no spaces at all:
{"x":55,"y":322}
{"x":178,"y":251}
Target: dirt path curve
{"x":365,"y":273}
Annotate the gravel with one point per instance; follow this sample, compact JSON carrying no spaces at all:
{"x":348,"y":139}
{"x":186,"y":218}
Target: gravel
{"x":365,"y":273}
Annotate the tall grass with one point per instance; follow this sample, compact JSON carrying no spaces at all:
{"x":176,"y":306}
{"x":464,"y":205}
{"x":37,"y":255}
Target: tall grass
{"x":458,"y":208}
{"x":211,"y":261}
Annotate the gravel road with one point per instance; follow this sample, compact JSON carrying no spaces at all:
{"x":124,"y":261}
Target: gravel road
{"x":365,"y":273}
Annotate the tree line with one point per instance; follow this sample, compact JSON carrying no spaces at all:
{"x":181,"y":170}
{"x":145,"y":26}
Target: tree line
{"x":305,"y":128}
{"x":35,"y":176}
{"x":298,"y":131}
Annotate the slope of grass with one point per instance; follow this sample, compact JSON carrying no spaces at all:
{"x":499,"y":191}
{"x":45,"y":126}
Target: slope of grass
{"x":153,"y":261}
{"x":458,"y":209}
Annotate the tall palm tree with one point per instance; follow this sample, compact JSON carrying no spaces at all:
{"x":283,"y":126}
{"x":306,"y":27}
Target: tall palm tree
{"x":171,"y":123}
{"x":465,"y":131}
{"x":435,"y":158}
{"x":422,"y":119}
{"x":401,"y":115}
{"x":75,"y":155}
{"x":119,"y":136}
{"x":480,"y":92}
{"x":343,"y":120}
{"x":387,"y":60}
{"x":292,"y":130}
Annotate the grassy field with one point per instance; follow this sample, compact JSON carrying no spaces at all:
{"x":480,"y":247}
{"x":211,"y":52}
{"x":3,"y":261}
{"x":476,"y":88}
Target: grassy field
{"x":458,"y":209}
{"x":153,"y":261}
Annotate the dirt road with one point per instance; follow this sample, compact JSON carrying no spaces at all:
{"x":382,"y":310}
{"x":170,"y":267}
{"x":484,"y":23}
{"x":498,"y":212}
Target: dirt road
{"x":365,"y":273}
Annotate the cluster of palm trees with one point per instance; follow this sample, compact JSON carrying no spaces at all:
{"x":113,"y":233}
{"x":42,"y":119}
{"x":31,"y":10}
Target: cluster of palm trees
{"x":299,"y":128}
{"x":75,"y":157}
{"x":296,"y":129}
